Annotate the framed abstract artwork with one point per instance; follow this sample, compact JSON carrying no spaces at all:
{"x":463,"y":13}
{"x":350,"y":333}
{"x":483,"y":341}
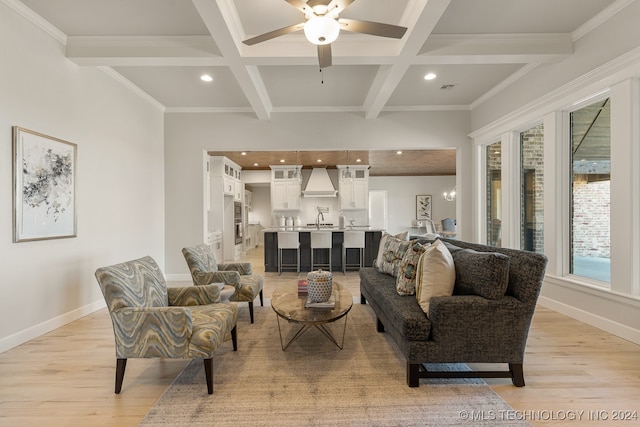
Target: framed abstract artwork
{"x":44,"y":187}
{"x":423,"y":207}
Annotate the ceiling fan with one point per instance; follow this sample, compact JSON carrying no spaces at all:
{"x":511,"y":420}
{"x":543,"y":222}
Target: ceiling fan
{"x":322,"y":26}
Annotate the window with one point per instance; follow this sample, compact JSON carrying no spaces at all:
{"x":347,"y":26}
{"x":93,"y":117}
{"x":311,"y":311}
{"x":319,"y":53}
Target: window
{"x":494,"y":194}
{"x":532,"y":189}
{"x":590,"y":226}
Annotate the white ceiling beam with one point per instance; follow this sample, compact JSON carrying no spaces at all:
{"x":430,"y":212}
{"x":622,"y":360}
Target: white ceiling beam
{"x":357,"y":50}
{"x":143,"y":51}
{"x":497,"y":44}
{"x":247,"y":77}
{"x":421,"y":18}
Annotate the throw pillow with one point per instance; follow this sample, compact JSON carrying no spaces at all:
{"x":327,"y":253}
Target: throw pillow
{"x":383,"y":239}
{"x":481,"y":273}
{"x":394,"y":250}
{"x":406,"y":279}
{"x":436,"y":274}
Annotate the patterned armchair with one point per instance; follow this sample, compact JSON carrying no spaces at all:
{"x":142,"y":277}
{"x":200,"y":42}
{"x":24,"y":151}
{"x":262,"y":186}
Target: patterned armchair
{"x":151,"y":320}
{"x":205,"y":270}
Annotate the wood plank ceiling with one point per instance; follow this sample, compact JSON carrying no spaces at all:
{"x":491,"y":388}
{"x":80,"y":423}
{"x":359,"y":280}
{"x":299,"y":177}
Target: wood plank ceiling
{"x":381,"y":162}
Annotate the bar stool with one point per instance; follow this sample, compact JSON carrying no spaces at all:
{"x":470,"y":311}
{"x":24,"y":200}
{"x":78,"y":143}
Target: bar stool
{"x":288,"y":240}
{"x":352,"y":240}
{"x":320,"y":240}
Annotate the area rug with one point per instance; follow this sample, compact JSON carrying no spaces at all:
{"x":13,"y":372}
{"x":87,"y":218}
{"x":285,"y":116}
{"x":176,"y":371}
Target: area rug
{"x":313,"y":383}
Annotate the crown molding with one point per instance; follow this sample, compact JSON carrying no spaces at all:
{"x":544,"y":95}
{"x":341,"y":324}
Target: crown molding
{"x":36,"y":20}
{"x":621,"y":68}
{"x":599,"y":19}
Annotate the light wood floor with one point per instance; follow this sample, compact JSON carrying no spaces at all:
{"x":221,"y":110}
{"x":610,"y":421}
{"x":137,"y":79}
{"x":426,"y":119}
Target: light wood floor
{"x":66,"y":377}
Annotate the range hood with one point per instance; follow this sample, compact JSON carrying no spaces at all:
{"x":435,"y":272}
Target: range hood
{"x":319,"y":184}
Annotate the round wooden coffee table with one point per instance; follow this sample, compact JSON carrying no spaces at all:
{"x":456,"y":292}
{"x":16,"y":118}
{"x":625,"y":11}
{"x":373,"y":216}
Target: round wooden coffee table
{"x":290,"y":306}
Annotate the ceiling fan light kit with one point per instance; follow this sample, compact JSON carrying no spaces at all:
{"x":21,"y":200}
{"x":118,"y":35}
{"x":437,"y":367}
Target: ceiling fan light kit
{"x":323,"y":25}
{"x":321,"y":30}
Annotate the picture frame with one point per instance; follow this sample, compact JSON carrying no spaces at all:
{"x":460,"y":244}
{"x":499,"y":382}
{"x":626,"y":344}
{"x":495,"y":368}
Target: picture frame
{"x":423,"y":207}
{"x":44,"y":187}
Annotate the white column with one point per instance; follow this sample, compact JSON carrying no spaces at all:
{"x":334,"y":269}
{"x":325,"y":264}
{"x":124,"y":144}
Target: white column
{"x":510,"y":178}
{"x":556,"y":193}
{"x":625,"y":187}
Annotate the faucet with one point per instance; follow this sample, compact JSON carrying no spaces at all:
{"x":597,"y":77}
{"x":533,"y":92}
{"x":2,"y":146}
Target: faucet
{"x":320,"y":214}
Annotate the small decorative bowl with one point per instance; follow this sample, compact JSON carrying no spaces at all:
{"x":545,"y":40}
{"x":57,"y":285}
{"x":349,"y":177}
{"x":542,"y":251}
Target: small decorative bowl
{"x":320,"y":285}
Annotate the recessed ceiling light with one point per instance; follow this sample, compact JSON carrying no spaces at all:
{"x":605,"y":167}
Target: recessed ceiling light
{"x":255,"y":164}
{"x":281,"y":160}
{"x":206,"y":78}
{"x":398,"y":152}
{"x":358,"y":160}
{"x":319,"y":161}
{"x":244,"y":153}
{"x":430,"y":76}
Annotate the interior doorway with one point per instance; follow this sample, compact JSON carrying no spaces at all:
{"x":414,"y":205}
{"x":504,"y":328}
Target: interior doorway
{"x":378,"y":209}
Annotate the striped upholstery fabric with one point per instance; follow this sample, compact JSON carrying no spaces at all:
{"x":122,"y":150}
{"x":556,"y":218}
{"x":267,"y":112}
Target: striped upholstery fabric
{"x":205,"y":270}
{"x":150,"y":320}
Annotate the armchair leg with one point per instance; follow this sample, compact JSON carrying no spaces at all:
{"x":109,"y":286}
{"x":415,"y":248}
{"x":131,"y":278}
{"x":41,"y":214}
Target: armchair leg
{"x":517,"y":374}
{"x":121,"y":365}
{"x":379,"y":326}
{"x":251,"y":310}
{"x":261,"y":300}
{"x":208,"y":373}
{"x":234,"y":338}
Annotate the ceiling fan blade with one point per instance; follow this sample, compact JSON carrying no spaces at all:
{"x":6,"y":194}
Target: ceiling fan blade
{"x":300,"y":5}
{"x":273,"y":34}
{"x":373,"y":28}
{"x":324,"y":55}
{"x":338,"y":6}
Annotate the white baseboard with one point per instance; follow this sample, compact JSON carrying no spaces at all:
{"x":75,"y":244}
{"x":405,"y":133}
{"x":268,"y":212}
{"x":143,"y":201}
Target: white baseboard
{"x":615,"y":328}
{"x":35,"y":331}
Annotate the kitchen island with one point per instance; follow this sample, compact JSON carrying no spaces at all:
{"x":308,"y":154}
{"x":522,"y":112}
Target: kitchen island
{"x":371,"y":236}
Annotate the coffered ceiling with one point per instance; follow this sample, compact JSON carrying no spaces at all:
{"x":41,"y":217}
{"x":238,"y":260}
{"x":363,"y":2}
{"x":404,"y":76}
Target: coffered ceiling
{"x":160,"y":48}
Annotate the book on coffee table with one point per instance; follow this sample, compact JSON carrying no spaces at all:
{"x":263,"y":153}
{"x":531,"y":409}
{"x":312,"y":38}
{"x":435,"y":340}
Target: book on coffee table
{"x":303,"y":287}
{"x":330,"y":303}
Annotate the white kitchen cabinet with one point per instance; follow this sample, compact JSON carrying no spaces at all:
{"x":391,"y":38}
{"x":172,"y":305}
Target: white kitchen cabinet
{"x":238,"y":192}
{"x":228,"y":186}
{"x":354,"y":192}
{"x":225,"y":188}
{"x":285,"y":195}
{"x":248,"y":195}
{"x":286,"y":188}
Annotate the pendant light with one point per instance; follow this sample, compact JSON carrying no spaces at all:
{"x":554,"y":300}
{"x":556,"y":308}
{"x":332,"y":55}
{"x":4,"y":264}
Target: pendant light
{"x":346,"y":173}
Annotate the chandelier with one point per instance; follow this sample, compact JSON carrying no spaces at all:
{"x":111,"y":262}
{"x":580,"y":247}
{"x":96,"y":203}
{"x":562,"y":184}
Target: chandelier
{"x":450,"y":196}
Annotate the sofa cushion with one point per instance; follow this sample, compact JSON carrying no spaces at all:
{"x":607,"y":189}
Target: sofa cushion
{"x":406,"y":278}
{"x":436,"y":274}
{"x":393,"y":252}
{"x":481,"y":273}
{"x":383,"y":239}
{"x":399,"y":313}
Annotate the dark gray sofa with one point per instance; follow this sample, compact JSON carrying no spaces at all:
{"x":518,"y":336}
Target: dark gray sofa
{"x":462,"y":328}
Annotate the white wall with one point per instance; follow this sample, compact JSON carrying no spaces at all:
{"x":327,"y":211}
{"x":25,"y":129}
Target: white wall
{"x":608,"y":57}
{"x":187,"y":136}
{"x":401,"y":198}
{"x":119,"y":180}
